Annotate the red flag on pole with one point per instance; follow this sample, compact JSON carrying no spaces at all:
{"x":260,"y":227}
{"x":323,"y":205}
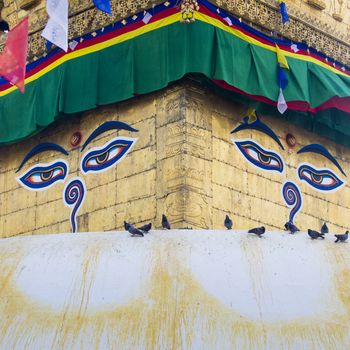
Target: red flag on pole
{"x":14,"y":57}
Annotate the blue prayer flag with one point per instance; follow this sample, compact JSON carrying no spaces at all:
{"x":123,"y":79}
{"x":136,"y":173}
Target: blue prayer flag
{"x":282,"y":78}
{"x":284,"y":13}
{"x":104,"y":6}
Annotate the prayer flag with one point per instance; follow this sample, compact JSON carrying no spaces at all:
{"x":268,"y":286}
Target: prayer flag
{"x":56,"y":30}
{"x":282,"y":78}
{"x":14,"y":57}
{"x":147,"y":17}
{"x":284,"y":13}
{"x":104,"y":6}
{"x":281,"y":58}
{"x":281,"y":104}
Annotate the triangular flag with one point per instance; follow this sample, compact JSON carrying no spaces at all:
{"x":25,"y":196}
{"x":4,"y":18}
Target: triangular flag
{"x":104,"y":6}
{"x":14,"y":57}
{"x":281,"y":58}
{"x":56,"y":29}
{"x":147,"y":17}
{"x":281,"y":104}
{"x":282,"y":78}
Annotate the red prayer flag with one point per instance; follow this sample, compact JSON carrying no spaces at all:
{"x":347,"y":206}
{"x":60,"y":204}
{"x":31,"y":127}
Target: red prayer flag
{"x":14,"y":57}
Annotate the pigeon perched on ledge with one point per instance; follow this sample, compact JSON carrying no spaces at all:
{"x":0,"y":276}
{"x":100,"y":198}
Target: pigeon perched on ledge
{"x":134,"y":231}
{"x":289,"y":226}
{"x":126,"y":226}
{"x":314,"y":234}
{"x":228,"y":223}
{"x":165,"y":222}
{"x":259,"y":231}
{"x":342,"y":238}
{"x":146,"y":228}
{"x":324,"y":229}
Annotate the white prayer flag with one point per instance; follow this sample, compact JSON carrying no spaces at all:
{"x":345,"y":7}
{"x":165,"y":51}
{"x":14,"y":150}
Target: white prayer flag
{"x":147,"y":18}
{"x":228,"y":21}
{"x":56,"y":30}
{"x":282,"y":104}
{"x":73,"y":44}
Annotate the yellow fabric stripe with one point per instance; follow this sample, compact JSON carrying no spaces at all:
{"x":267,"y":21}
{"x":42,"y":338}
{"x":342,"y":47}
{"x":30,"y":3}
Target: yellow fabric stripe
{"x":215,"y":22}
{"x":98,"y":47}
{"x":159,"y":24}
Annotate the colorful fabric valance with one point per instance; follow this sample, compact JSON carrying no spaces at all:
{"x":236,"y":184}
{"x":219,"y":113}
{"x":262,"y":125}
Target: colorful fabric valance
{"x":137,"y":57}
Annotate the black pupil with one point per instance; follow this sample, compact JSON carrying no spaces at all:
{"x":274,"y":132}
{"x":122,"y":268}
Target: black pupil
{"x":102,"y":158}
{"x":264,"y":159}
{"x":47,"y":175}
{"x":316,"y":178}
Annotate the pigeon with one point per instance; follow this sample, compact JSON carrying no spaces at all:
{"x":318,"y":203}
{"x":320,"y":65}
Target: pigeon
{"x":126,"y":226}
{"x":259,"y":231}
{"x":146,"y":228}
{"x":314,"y":234}
{"x":289,"y":226}
{"x":341,"y":238}
{"x":324,"y":228}
{"x":228,"y":223}
{"x":134,"y":231}
{"x":165,"y":222}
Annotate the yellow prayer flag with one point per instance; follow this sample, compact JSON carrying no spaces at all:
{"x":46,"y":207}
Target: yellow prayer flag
{"x":281,"y":58}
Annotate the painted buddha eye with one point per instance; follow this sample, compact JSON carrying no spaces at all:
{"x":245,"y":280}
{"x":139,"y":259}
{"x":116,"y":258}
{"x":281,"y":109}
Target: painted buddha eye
{"x":321,"y":179}
{"x":43,"y":176}
{"x":263,"y":159}
{"x":101,"y":159}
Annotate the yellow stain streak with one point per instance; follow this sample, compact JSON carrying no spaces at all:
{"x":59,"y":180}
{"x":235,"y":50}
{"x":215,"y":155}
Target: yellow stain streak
{"x":172,"y":311}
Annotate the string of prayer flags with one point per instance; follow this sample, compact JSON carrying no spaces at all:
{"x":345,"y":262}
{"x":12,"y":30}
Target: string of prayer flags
{"x":56,"y":30}
{"x":13,"y":59}
{"x":282,"y":64}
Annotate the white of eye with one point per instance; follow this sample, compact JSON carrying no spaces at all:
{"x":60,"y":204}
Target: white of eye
{"x":326,"y":180}
{"x":273,"y":162}
{"x":307,"y":175}
{"x":252,"y":153}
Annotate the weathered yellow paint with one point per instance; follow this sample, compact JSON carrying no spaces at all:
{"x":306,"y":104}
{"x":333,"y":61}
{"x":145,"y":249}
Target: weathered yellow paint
{"x":183,"y":164}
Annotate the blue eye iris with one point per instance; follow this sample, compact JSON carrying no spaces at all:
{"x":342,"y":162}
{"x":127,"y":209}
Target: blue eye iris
{"x":101,"y":159}
{"x":43,"y":176}
{"x":323,"y":180}
{"x":263,"y":159}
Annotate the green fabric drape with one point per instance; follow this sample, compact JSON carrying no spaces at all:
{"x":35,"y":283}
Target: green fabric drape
{"x":150,"y":62}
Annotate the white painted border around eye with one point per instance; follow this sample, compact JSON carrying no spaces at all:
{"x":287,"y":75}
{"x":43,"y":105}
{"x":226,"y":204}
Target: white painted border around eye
{"x":268,"y":150}
{"x":319,"y":169}
{"x":98,"y":148}
{"x":43,"y":165}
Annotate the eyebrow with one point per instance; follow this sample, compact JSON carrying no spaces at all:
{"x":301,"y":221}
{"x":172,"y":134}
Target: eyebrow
{"x":42,"y":147}
{"x":259,"y":126}
{"x":111,"y":125}
{"x":319,"y":149}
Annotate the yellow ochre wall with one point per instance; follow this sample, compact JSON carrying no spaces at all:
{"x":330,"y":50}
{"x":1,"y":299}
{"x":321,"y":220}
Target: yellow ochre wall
{"x":184,"y":164}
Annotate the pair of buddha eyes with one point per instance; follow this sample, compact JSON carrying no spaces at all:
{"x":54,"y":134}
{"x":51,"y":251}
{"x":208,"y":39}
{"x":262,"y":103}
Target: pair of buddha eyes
{"x":43,"y":176}
{"x":324,"y":180}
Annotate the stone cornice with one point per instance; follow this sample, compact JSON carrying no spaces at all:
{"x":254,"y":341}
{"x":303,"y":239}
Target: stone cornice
{"x":262,"y":14}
